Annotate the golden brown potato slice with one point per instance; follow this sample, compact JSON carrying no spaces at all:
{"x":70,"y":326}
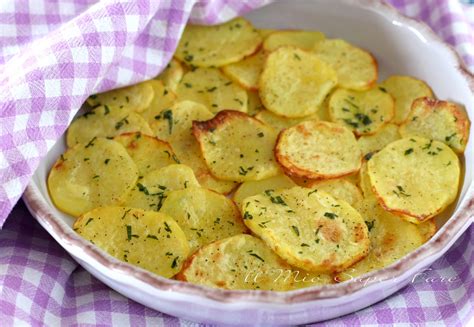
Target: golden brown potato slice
{"x":149,"y":240}
{"x":148,"y":153}
{"x":241,"y":262}
{"x":281,"y":122}
{"x":339,"y":188}
{"x":376,"y":142}
{"x":237,"y":147}
{"x":318,"y":150}
{"x":172,"y":75}
{"x":364,"y":112}
{"x":405,"y":90}
{"x":150,"y":191}
{"x":251,"y":188}
{"x":247,"y":71}
{"x":90,"y":175}
{"x":305,"y":40}
{"x":105,"y":121}
{"x":205,"y":216}
{"x":213,"y":89}
{"x":427,"y":229}
{"x":164,"y":98}
{"x":218,"y":45}
{"x":391,"y":238}
{"x":294,"y":82}
{"x":254,"y":105}
{"x":439,"y":120}
{"x":415,"y":177}
{"x":356,"y":68}
{"x":308,"y":228}
{"x":134,"y":97}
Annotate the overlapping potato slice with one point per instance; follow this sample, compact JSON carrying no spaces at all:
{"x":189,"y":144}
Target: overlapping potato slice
{"x":150,"y":191}
{"x":364,"y":112}
{"x":281,"y":122}
{"x":356,"y":68}
{"x":390,"y":239}
{"x":149,"y":240}
{"x":148,"y":153}
{"x":264,"y":32}
{"x":134,"y":97}
{"x":340,"y":189}
{"x":250,"y":188}
{"x":105,"y":121}
{"x":163,"y":99}
{"x":241,"y":262}
{"x":205,"y":216}
{"x":439,"y":120}
{"x":247,"y":71}
{"x":172,"y":75}
{"x":294,"y":82}
{"x":237,"y":147}
{"x":427,"y":229}
{"x":219,"y":45}
{"x":254,"y":105}
{"x":405,"y":90}
{"x":175,"y":126}
{"x":213,"y":89}
{"x":364,"y":181}
{"x":90,"y":175}
{"x":305,"y":40}
{"x":318,"y":150}
{"x":415,"y":177}
{"x":372,"y":143}
{"x":308,"y":228}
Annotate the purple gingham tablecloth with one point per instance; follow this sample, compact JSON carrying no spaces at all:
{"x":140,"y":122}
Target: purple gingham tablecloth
{"x":43,"y":80}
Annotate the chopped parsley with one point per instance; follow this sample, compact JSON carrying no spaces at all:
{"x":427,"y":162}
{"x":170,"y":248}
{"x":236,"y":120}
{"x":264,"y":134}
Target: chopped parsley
{"x":408,"y":151}
{"x":295,"y":230}
{"x":120,"y":123}
{"x":330,"y":215}
{"x":91,"y":142}
{"x":370,"y":224}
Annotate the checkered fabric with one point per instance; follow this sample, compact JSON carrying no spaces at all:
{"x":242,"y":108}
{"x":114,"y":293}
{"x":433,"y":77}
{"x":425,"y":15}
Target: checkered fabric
{"x":46,"y":69}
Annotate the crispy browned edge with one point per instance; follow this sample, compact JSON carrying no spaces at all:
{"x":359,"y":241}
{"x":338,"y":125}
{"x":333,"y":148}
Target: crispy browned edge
{"x":293,"y":170}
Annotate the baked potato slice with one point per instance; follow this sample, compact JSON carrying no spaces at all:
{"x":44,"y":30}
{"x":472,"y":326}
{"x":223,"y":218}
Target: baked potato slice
{"x":280,"y":122}
{"x":247,"y":71}
{"x":305,"y":40}
{"x":163,"y":99}
{"x":340,"y":189}
{"x":171,"y":75}
{"x":370,"y":144}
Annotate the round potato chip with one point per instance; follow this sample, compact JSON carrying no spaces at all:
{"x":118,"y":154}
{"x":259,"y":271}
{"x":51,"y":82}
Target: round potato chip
{"x":281,"y":122}
{"x":254,"y":105}
{"x":148,"y":153}
{"x":247,"y":71}
{"x":318,"y":150}
{"x":172,"y":75}
{"x":390,"y":239}
{"x":305,"y":40}
{"x":251,"y":188}
{"x":213,"y":89}
{"x":219,"y":45}
{"x":415,"y":177}
{"x":105,"y":121}
{"x":149,"y":240}
{"x":134,"y":97}
{"x":438,"y":120}
{"x":364,"y":112}
{"x":241,"y":262}
{"x":150,"y":191}
{"x":370,"y":144}
{"x":308,"y":228}
{"x":163,"y":99}
{"x":227,"y":156}
{"x":405,"y":90}
{"x":340,"y":189}
{"x":91,"y":175}
{"x":356,"y":69}
{"x":205,"y":216}
{"x":294,"y":82}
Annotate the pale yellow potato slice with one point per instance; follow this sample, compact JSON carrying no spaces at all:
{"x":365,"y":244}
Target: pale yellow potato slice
{"x":247,"y":71}
{"x":251,"y":188}
{"x":172,"y":75}
{"x":318,"y":150}
{"x":164,"y":98}
{"x":105,"y":121}
{"x":427,"y":229}
{"x":90,"y":175}
{"x":134,"y":97}
{"x":264,"y":32}
{"x":405,"y":90}
{"x":150,"y":192}
{"x":254,"y":105}
{"x":339,"y":188}
{"x":218,"y":45}
{"x":356,"y":68}
{"x":310,"y":229}
{"x":415,"y":177}
{"x":295,"y":82}
{"x":237,"y":147}
{"x":281,"y":122}
{"x":149,"y":240}
{"x":372,"y":143}
{"x":205,"y":216}
{"x":364,"y":112}
{"x":241,"y":262}
{"x":305,"y":40}
{"x":213,"y":89}
{"x":148,"y":153}
{"x":364,"y":181}
{"x":439,"y":120}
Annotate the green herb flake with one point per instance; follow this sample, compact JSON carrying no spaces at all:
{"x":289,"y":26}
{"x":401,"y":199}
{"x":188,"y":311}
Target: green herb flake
{"x":88,"y":221}
{"x":152,"y":237}
{"x":120,"y":123}
{"x":257,"y":256}
{"x":295,"y":230}
{"x":129,"y":232}
{"x":330,"y":215}
{"x":370,"y":224}
{"x":260,"y":134}
{"x":174,"y":264}
{"x":91,"y":142}
{"x":408,"y":151}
